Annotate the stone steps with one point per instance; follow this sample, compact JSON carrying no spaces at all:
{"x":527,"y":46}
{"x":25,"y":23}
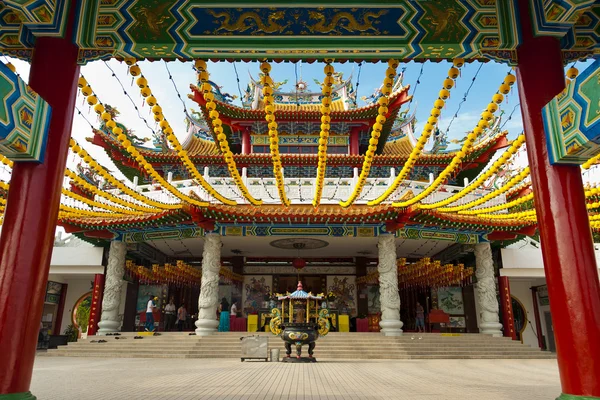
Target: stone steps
{"x":333,"y":346}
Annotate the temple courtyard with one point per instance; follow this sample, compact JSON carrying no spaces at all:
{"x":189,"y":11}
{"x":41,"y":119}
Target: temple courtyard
{"x":121,"y":378}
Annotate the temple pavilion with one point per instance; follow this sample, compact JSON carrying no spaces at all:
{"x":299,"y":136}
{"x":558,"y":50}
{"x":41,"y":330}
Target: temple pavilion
{"x":304,"y":183}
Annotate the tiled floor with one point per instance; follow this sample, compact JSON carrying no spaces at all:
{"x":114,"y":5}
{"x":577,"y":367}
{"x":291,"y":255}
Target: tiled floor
{"x":101,"y":378}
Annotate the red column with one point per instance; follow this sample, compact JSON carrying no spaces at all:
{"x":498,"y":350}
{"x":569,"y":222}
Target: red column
{"x":31,"y":214}
{"x":96,"y":306}
{"x":61,"y":309}
{"x":354,"y":145}
{"x":508,"y":321}
{"x":568,"y":252}
{"x":536,"y":314}
{"x":246,"y":145}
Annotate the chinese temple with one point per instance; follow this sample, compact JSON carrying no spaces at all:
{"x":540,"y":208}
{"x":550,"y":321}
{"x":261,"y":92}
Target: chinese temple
{"x":303,"y":183}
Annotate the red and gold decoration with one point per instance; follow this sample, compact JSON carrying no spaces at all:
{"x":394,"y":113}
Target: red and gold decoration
{"x":180,"y":274}
{"x":324,"y":134}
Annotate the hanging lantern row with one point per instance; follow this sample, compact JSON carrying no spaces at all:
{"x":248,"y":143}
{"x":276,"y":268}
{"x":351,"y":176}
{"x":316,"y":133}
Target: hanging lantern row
{"x":166,"y":128}
{"x":515,"y":180}
{"x":269,"y":101}
{"x":112,"y":198}
{"x":428,"y":129}
{"x":506,"y":156}
{"x":126,"y":143}
{"x":180,"y":274}
{"x":104,"y":206}
{"x":324,"y":133}
{"x":484,"y":122}
{"x":217,"y":125}
{"x":499,"y":207}
{"x":427,"y":273}
{"x":108,"y":177}
{"x":382,"y":111}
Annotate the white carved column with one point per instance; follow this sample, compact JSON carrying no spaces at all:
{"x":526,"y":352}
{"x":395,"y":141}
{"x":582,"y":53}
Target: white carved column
{"x":109,"y":321}
{"x":209,"y":289}
{"x":388,"y":287}
{"x":486,"y":291}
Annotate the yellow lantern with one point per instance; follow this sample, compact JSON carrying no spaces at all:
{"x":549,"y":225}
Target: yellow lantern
{"x":117,"y":131}
{"x":328,"y":69}
{"x":141,"y":82}
{"x":106,"y":117}
{"x":383,"y":101}
{"x":510,"y":79}
{"x":572,"y":73}
{"x":435,"y":112}
{"x":444,"y":94}
{"x":498,"y":98}
{"x":265,"y":67}
{"x":458,"y":62}
{"x":492,"y":107}
{"x":135,"y":70}
{"x":99,"y":108}
{"x":439,"y":104}
{"x":504,"y":88}
{"x":206,"y":87}
{"x":453,"y":73}
{"x":81,"y":83}
{"x":130,"y":61}
{"x":393,"y":63}
{"x":151,"y":100}
{"x":200,"y":65}
{"x":86,"y":90}
{"x":448,"y":84}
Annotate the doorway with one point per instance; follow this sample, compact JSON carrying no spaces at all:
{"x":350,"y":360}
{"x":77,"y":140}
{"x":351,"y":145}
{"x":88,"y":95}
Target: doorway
{"x":549,"y":332}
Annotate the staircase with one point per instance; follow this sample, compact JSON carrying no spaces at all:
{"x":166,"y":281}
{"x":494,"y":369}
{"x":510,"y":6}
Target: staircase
{"x":333,"y":346}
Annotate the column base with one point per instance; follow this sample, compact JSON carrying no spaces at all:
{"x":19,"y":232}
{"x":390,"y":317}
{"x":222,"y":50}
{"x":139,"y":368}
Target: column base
{"x":18,"y":396}
{"x":564,"y":396}
{"x":108,"y":327}
{"x":491,"y":328}
{"x":206,"y":327}
{"x":391,"y":327}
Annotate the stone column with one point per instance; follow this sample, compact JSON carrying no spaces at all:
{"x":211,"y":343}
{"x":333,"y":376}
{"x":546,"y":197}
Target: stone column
{"x":209,"y":289}
{"x":109,"y":321}
{"x":486,"y":291}
{"x":388,"y":287}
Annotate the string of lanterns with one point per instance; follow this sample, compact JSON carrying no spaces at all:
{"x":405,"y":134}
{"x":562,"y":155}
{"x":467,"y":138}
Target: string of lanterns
{"x":382,"y":111}
{"x":217,"y":124}
{"x":92,"y":99}
{"x":178,"y":274}
{"x":514,"y":147}
{"x":117,"y":200}
{"x":515,"y":180}
{"x":484,"y":122}
{"x":269,"y":101}
{"x":499,"y":207}
{"x":428,"y":129}
{"x":108,"y":177}
{"x":324,"y":134}
{"x":426,"y":273}
{"x":166,"y":128}
{"x":93,"y":203}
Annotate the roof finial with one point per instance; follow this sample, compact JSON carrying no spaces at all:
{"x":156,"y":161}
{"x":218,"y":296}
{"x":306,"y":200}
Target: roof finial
{"x":299,"y":285}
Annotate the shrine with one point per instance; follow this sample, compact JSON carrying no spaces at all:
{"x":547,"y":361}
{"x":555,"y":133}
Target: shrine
{"x":376,"y":214}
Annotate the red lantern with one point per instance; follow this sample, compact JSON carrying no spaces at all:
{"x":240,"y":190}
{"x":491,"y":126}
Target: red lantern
{"x":299,"y":263}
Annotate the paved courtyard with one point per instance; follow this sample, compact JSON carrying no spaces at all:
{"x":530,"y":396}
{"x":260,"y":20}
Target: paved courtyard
{"x":102,"y":378}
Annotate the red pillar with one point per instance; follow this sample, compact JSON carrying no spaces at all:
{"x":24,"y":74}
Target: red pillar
{"x":61,"y":309}
{"x":246,"y":145}
{"x":96,"y":306}
{"x":31,"y":214}
{"x":508,"y":319}
{"x":354,"y":145}
{"x":538,"y":321}
{"x":568,"y":251}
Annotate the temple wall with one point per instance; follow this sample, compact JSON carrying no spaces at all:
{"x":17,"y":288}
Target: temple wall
{"x":345,"y":289}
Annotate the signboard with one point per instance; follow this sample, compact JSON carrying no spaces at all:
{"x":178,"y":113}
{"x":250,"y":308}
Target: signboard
{"x":53,"y":291}
{"x":542,"y":292}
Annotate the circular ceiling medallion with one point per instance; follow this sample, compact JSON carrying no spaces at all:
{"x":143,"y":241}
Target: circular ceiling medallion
{"x":299,"y":244}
